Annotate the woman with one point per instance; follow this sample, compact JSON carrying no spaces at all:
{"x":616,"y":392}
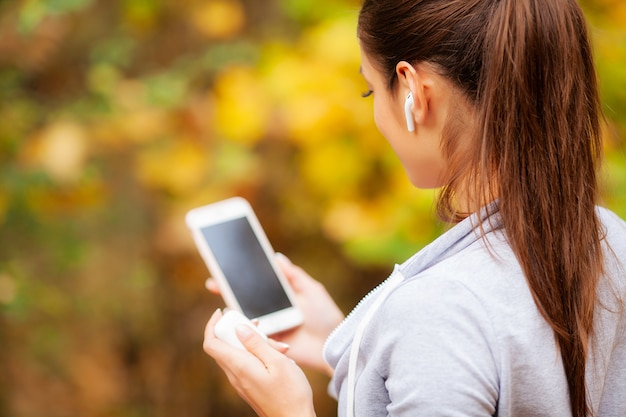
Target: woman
{"x":518,"y":309}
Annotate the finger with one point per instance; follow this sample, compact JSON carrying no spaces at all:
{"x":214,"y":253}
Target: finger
{"x":291,"y":271}
{"x":215,"y":317}
{"x":284,"y":264}
{"x":209,"y":334}
{"x":212,"y":286}
{"x":283,"y":259}
{"x":256,"y":345}
{"x":282,"y":347}
{"x":232,"y":360}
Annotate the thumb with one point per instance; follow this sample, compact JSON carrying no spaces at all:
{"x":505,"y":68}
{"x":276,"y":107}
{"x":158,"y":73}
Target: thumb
{"x":255,"y":344}
{"x":292,"y":272}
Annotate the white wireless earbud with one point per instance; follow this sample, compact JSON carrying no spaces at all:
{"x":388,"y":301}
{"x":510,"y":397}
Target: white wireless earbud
{"x":410,"y":124}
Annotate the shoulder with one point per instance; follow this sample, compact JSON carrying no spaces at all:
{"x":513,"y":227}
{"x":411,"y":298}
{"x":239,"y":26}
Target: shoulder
{"x":614,"y":229}
{"x":614,"y":247}
{"x":609,"y":216}
{"x":434,"y":344}
{"x":477,"y":300}
{"x":481,"y":277}
{"x":611,"y":221}
{"x":459,"y":301}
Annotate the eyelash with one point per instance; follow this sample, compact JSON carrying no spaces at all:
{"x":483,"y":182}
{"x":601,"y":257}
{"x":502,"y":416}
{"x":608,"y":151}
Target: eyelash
{"x":367,"y":93}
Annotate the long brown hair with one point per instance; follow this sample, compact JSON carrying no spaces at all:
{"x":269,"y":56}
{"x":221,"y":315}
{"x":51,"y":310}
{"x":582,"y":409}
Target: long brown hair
{"x":526,"y":67}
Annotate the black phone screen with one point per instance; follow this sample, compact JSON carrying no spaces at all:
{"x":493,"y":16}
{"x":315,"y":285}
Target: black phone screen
{"x":246,"y":268}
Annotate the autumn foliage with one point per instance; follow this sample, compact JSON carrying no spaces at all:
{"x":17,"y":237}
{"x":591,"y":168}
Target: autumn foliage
{"x":118,"y":116}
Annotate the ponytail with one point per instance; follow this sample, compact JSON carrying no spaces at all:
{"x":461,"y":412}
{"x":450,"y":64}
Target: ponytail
{"x":541,"y":129}
{"x":527,"y":68}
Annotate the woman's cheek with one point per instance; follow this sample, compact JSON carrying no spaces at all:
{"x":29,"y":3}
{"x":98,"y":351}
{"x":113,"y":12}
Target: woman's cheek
{"x":382,"y":123}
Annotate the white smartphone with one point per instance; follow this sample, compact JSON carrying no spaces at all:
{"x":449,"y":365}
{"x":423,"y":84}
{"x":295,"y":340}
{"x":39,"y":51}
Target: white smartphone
{"x":239,"y":256}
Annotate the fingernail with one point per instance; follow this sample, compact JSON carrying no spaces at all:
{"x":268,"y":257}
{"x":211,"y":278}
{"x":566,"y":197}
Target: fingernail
{"x":283,"y":345}
{"x":283,"y":257}
{"x":207,"y":284}
{"x":244,"y":332}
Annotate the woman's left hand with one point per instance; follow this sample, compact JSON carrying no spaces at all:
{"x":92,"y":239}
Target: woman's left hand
{"x":264,"y":377}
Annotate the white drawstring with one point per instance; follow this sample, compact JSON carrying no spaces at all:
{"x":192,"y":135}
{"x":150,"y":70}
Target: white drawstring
{"x":395,"y":279}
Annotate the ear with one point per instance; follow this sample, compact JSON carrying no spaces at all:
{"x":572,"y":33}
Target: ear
{"x":413,"y":81}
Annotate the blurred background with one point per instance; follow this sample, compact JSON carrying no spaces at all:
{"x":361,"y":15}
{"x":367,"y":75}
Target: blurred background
{"x":118,"y":116}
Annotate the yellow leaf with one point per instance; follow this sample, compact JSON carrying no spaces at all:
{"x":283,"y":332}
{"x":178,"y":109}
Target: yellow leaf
{"x":347,"y":220}
{"x":8,"y":288}
{"x":60,"y":150}
{"x":144,"y":124}
{"x":242,"y":108}
{"x":335,"y":41}
{"x":334,"y":167}
{"x":178,"y":166}
{"x":219,"y":19}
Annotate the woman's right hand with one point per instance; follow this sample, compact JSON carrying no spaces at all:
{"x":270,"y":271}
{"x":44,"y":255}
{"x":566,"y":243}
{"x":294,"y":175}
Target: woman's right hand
{"x":321,"y":316}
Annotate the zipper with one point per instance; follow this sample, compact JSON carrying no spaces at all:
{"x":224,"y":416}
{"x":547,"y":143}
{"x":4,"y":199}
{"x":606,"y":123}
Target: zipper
{"x":396,"y":279}
{"x":359,"y":304}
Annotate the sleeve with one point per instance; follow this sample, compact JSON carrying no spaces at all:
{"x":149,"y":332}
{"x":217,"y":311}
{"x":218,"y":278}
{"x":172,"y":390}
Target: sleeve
{"x":436,"y":352}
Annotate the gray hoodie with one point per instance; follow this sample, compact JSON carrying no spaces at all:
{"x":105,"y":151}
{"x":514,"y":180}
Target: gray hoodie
{"x":455,"y":332}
